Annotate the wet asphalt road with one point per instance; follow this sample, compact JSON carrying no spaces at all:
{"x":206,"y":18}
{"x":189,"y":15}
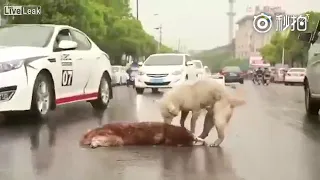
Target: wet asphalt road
{"x":269,"y":138}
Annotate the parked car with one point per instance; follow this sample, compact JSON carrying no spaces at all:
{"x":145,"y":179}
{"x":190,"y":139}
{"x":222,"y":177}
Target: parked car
{"x":294,"y":75}
{"x":279,"y":75}
{"x":311,"y":81}
{"x":273,"y":73}
{"x":199,"y":68}
{"x":232,"y":74}
{"x":119,"y":75}
{"x":58,"y":65}
{"x":219,"y":78}
{"x":164,"y":71}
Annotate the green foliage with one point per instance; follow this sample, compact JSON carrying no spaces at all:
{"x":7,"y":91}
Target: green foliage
{"x":107,"y":22}
{"x":296,"y":51}
{"x":217,"y":60}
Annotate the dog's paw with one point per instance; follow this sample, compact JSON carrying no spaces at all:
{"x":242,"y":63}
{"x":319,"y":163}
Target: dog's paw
{"x":216,"y":143}
{"x":198,"y":139}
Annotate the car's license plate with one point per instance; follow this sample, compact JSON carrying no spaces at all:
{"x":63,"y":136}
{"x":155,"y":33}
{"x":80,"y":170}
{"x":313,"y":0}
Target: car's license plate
{"x":157,"y":80}
{"x":233,"y":74}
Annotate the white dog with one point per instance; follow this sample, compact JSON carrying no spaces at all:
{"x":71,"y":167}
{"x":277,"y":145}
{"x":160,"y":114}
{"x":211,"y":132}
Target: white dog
{"x":203,"y":94}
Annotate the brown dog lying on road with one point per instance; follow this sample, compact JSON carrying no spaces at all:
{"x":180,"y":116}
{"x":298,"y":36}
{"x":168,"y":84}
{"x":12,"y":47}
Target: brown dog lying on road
{"x":139,"y":133}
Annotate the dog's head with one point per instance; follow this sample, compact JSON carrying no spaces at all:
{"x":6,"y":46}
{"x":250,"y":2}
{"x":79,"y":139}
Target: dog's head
{"x":87,"y":138}
{"x":99,"y":141}
{"x":168,"y":112}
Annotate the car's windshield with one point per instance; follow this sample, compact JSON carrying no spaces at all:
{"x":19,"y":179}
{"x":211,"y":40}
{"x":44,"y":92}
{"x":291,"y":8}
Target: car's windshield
{"x":297,"y":70}
{"x":164,"y":60}
{"x":115,"y":69}
{"x":231,"y":69}
{"x":25,"y":35}
{"x":198,"y":64}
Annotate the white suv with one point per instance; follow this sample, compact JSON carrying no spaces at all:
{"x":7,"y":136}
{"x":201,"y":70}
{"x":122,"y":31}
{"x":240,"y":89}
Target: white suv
{"x":164,"y":71}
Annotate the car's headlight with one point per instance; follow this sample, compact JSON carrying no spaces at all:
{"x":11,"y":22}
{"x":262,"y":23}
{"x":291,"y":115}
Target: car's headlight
{"x":177,"y":72}
{"x":10,"y":65}
{"x":140,"y":73}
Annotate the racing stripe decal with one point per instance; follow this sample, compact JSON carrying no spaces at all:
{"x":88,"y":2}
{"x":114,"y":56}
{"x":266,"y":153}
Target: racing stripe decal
{"x":80,"y":97}
{"x":27,"y":63}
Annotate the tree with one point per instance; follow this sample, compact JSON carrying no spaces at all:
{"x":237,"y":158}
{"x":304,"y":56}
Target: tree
{"x":107,"y":22}
{"x":272,"y":52}
{"x":296,"y":51}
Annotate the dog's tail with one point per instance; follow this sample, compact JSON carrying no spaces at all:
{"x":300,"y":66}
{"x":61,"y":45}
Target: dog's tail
{"x":235,"y":102}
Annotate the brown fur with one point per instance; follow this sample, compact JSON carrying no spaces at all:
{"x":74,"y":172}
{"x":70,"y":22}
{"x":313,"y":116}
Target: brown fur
{"x":140,"y":133}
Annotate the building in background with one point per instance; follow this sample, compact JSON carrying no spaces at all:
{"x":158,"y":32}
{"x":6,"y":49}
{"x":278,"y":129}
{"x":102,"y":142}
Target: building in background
{"x":247,"y":41}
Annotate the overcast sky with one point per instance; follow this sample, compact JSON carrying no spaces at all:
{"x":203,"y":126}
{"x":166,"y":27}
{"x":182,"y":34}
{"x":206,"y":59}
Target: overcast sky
{"x":202,"y":24}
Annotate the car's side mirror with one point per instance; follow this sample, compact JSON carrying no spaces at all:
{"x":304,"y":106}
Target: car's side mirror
{"x":140,"y":63}
{"x":189,"y":63}
{"x":306,"y":37}
{"x":310,"y":37}
{"x":67,"y":45}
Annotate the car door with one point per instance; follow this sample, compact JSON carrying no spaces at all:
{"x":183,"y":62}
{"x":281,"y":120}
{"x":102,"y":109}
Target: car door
{"x":84,"y":61}
{"x":65,"y":72}
{"x":313,"y":69}
{"x":191,"y":71}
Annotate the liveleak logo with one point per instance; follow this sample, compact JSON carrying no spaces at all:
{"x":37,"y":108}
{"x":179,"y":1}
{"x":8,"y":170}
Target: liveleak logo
{"x":21,"y":10}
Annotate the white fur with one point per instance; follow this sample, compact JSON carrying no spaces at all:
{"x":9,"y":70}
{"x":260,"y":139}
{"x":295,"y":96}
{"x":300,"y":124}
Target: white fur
{"x":203,"y":94}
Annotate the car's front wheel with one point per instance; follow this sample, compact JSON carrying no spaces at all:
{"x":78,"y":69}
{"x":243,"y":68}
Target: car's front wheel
{"x":312,"y":106}
{"x":42,"y":96}
{"x":103,"y":94}
{"x":139,"y":90}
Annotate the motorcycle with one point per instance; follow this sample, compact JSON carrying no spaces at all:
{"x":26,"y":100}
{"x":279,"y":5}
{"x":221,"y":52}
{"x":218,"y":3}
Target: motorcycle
{"x":266,"y":79}
{"x":131,"y":79}
{"x":259,"y":79}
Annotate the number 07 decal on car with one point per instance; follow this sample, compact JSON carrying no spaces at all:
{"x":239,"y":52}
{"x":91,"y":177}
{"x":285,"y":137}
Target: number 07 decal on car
{"x":67,"y":76}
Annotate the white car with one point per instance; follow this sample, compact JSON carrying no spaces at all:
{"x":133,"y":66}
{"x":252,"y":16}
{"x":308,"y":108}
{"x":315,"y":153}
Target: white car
{"x":120,"y":75}
{"x":43,"y":66}
{"x":219,"y":78}
{"x":207,"y":71}
{"x":199,"y":68}
{"x":295,"y":75}
{"x":164,"y":71}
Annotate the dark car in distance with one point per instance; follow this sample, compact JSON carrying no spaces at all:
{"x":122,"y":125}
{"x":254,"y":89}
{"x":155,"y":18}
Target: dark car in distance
{"x":232,"y":74}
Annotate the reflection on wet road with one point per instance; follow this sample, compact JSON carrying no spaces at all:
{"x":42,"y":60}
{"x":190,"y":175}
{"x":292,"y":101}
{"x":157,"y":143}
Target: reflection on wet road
{"x":268,"y":138}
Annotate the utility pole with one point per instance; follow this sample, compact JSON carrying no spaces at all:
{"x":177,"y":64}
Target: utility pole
{"x":231,"y":15}
{"x":160,"y":37}
{"x":179,"y":45}
{"x":137,"y":4}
